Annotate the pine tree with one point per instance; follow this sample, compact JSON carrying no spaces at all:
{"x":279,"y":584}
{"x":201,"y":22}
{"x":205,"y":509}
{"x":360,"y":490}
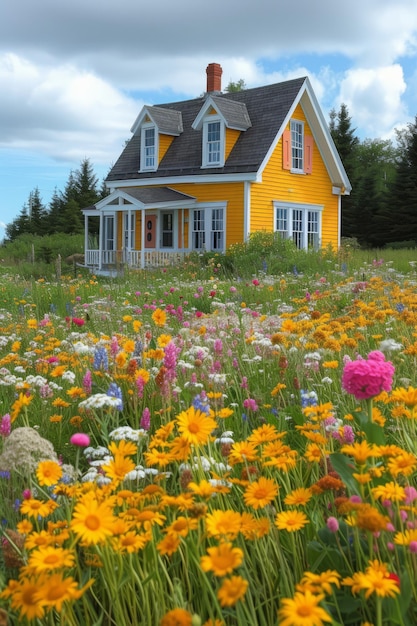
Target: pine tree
{"x":401,"y":206}
{"x":37,"y":214}
{"x":346,"y":143}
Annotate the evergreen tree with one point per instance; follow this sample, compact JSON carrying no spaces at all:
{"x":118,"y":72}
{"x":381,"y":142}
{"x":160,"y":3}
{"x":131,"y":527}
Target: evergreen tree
{"x":346,"y":143}
{"x":401,"y":206}
{"x":37,"y":214}
{"x":54,"y":214}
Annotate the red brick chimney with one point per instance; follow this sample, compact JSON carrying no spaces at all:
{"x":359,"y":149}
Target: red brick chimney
{"x":214,"y":77}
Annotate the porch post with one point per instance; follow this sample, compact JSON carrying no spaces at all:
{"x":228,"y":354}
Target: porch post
{"x":142,"y":240}
{"x":129,"y":234}
{"x":100,"y":239}
{"x":85,"y":237}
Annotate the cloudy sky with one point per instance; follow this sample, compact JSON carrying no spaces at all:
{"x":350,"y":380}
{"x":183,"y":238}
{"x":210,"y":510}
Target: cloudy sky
{"x":74,"y":74}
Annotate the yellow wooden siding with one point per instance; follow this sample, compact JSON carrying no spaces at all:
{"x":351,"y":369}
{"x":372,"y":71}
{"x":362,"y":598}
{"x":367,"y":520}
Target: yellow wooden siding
{"x":231,"y":137}
{"x":119,"y":217}
{"x":283,"y":186}
{"x":232,"y":194}
{"x":164,"y":142}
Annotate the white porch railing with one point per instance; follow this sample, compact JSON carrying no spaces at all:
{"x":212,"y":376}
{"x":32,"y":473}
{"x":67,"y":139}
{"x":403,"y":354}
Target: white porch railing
{"x":133,"y":258}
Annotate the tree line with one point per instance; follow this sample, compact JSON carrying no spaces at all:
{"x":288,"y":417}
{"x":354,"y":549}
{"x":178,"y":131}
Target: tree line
{"x":64,"y":212}
{"x":380,"y":211}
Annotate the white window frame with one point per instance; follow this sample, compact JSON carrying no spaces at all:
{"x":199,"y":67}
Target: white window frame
{"x":208,"y":144}
{"x":299,"y":222}
{"x":129,"y":230}
{"x":297,"y":146}
{"x":208,"y":228}
{"x":148,"y":154}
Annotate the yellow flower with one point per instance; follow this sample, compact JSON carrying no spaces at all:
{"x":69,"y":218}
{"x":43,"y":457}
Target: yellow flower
{"x":303,"y":610}
{"x":223,"y":523}
{"x":291,"y":520}
{"x":49,"y":558}
{"x":260,"y":493}
{"x":195,"y":426}
{"x":222,"y":559}
{"x":242,"y":451}
{"x":54,"y":590}
{"x":35,"y":508}
{"x":123,"y":448}
{"x":169,"y":545}
{"x":390,"y":491}
{"x":163,"y":340}
{"x":129,"y":346}
{"x":118,"y":467}
{"x":376,"y":579}
{"x":131,"y":542}
{"x":264,"y":433}
{"x":232,"y":590}
{"x":48,"y":473}
{"x":404,"y":463}
{"x":319,"y":583}
{"x":181,"y":526}
{"x":22,"y":401}
{"x":298,"y":497}
{"x":92,"y":521}
{"x":361,"y":452}
{"x":406,"y":396}
{"x":136,"y":325}
{"x":32,"y":323}
{"x":24,"y":598}
{"x":159,"y":317}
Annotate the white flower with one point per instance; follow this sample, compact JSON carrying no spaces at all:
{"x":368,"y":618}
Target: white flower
{"x":69,"y":376}
{"x":390,"y":345}
{"x":99,"y":401}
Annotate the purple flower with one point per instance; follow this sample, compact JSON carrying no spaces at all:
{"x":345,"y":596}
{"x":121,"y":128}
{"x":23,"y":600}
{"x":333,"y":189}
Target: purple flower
{"x":145,"y":421}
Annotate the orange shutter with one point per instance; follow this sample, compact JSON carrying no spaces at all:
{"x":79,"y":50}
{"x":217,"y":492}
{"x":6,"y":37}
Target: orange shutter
{"x":308,"y":154}
{"x":286,"y":150}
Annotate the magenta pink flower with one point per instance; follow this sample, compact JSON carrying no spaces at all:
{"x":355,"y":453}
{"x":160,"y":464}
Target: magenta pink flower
{"x":366,"y":378}
{"x":80,"y":439}
{"x":332,"y":524}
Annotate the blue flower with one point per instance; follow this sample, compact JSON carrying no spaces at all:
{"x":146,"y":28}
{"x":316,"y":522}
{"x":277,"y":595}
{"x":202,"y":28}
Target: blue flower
{"x":114,"y":391}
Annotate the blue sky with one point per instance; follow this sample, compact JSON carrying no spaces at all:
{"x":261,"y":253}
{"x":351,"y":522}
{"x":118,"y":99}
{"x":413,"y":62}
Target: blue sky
{"x":74,"y":76}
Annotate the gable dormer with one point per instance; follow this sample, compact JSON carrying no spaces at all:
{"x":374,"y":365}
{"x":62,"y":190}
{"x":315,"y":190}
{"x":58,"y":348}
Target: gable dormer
{"x":157,"y":127}
{"x":220,"y":120}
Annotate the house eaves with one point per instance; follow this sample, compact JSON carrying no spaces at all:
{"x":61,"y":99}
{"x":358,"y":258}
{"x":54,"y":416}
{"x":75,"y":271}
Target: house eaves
{"x":144,"y":198}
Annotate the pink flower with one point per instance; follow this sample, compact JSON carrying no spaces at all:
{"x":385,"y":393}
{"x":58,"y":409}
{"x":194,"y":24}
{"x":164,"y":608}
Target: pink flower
{"x":255,"y":282}
{"x":332,"y":524}
{"x":366,"y":378}
{"x":80,"y":439}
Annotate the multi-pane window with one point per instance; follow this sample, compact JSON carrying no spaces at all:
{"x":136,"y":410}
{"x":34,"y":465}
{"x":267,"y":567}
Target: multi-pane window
{"x":282,"y":222}
{"x":217,"y":229}
{"x":297,"y":145}
{"x":148,"y":148}
{"x":208,"y":229}
{"x":213,"y":143}
{"x":199,"y":232}
{"x":313,"y":229}
{"x":299,"y":223}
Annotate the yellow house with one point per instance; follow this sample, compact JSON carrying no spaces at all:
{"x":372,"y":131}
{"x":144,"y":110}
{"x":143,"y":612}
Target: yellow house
{"x":203,"y":174}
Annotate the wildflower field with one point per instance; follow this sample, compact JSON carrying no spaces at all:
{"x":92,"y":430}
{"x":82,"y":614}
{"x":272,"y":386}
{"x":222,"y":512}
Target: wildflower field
{"x":182,"y":450}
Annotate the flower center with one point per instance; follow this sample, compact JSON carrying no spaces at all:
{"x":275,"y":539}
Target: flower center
{"x":92,"y":522}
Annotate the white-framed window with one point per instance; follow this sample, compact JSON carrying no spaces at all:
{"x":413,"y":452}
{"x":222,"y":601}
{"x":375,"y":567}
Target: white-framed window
{"x":129,"y":231}
{"x":149,"y":148}
{"x":213,"y":142}
{"x":208,"y":229}
{"x":109,"y":232}
{"x":299,"y":222}
{"x":297,"y":146}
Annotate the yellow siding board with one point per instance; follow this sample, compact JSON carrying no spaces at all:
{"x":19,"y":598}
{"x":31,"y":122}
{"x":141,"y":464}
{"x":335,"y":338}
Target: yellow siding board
{"x":283,"y":186}
{"x":164,"y":142}
{"x":231,"y":137}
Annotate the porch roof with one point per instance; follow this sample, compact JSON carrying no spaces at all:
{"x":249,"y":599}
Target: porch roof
{"x":141,"y":198}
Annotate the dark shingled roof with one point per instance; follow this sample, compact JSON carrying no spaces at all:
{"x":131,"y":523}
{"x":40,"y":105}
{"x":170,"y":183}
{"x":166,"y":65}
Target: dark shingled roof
{"x":168,"y":122}
{"x":154,"y":195}
{"x":266,"y":107}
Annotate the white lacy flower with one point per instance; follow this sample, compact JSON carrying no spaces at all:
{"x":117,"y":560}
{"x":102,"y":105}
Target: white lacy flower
{"x":100,"y":401}
{"x":390,"y":345}
{"x":127,"y":433}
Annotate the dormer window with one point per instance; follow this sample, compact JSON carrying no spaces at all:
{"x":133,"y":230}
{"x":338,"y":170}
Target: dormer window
{"x":148,"y":157}
{"x":213,"y":143}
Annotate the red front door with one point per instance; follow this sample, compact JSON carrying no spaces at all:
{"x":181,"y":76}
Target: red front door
{"x":150,"y":231}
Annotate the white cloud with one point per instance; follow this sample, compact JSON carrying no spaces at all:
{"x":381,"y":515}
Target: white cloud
{"x":375,"y":97}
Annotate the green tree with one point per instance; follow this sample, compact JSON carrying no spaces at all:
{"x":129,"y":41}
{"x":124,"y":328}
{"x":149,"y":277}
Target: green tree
{"x":401,"y":204}
{"x":346,"y":143}
{"x":232,"y":87}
